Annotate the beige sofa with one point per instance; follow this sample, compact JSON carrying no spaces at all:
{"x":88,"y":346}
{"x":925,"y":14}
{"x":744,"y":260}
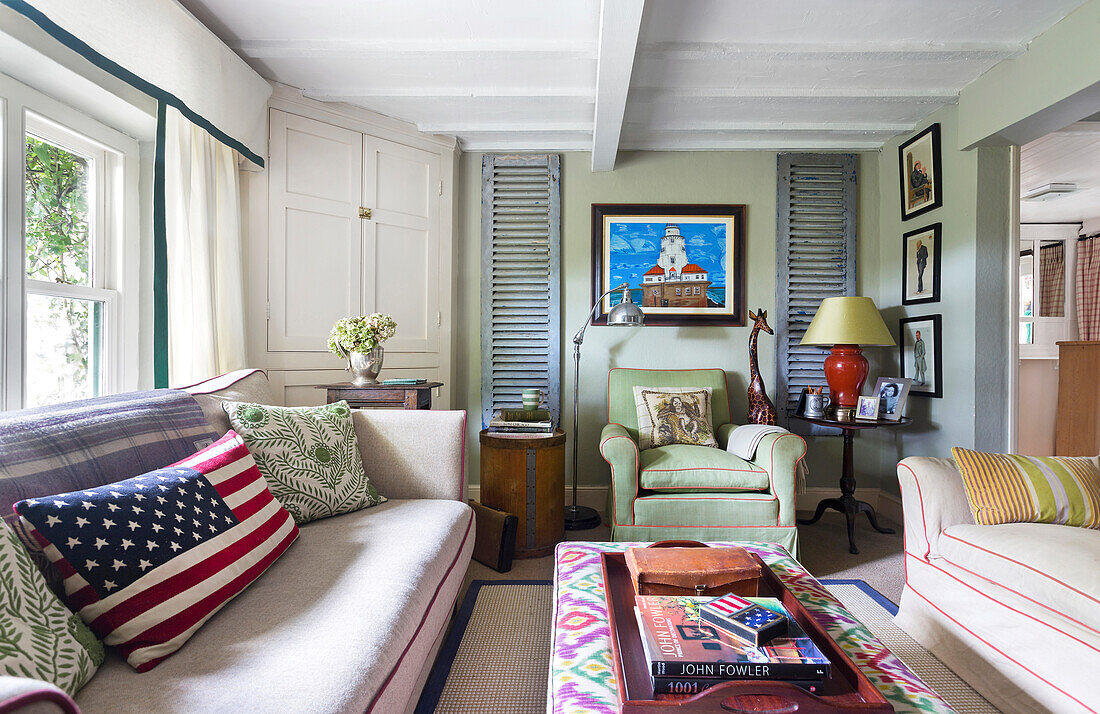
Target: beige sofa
{"x":351,"y":617}
{"x":1014,"y":609}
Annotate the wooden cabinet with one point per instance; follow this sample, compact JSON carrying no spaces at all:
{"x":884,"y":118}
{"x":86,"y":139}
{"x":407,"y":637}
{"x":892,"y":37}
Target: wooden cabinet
{"x":1078,"y":424}
{"x":525,"y":476}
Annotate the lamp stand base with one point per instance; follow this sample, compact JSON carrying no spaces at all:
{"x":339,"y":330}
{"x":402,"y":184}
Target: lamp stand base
{"x":581,"y":518}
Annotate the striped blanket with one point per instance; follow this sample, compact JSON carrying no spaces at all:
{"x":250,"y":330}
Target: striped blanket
{"x":92,"y":442}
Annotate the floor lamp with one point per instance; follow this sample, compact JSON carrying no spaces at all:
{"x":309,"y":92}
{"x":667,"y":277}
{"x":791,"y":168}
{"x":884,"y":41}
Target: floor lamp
{"x":625,"y":314}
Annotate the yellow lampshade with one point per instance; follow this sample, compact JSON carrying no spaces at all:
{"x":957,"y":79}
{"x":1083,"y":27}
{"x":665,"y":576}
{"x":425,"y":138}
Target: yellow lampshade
{"x":847,"y":321}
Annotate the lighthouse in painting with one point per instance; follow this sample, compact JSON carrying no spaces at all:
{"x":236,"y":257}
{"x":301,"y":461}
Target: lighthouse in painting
{"x":673,"y":281}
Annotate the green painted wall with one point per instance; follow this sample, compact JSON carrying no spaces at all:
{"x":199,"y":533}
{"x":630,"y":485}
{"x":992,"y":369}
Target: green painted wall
{"x":747,"y":177}
{"x":974,"y":214}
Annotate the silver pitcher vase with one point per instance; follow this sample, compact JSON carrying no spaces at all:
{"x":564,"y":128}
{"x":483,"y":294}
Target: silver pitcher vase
{"x":365,"y":366}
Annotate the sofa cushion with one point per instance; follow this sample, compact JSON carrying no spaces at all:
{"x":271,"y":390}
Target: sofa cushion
{"x":148,"y":560}
{"x":40,"y":638}
{"x":674,"y":415}
{"x":323,"y":630}
{"x":1010,"y":488}
{"x":1051,"y":565}
{"x":243,"y":385}
{"x":681,"y":468}
{"x":740,"y":510}
{"x":309,"y":456}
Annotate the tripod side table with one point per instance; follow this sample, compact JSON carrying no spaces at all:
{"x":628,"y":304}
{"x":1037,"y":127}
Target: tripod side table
{"x":847,"y":503}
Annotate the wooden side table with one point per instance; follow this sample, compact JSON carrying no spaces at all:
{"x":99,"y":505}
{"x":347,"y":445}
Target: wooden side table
{"x":372,"y":396}
{"x":847,"y":503}
{"x":524,"y":474}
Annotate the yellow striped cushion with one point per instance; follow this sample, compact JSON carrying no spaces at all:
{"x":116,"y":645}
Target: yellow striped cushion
{"x":1008,"y":488}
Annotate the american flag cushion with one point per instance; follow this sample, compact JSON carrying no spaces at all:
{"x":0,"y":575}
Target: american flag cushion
{"x":148,"y":560}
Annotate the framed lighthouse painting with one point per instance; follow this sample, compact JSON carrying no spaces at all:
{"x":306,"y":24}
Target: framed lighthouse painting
{"x":684,"y":264}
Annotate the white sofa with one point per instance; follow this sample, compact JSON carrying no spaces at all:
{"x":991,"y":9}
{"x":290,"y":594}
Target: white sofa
{"x":1013,"y":609}
{"x":351,"y":617}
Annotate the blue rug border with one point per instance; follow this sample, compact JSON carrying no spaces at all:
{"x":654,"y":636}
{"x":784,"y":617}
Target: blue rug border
{"x":433,"y":687}
{"x":886,"y":603}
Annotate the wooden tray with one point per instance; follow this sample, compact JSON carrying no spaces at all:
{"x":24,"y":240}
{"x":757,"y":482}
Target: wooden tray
{"x":846,"y":690}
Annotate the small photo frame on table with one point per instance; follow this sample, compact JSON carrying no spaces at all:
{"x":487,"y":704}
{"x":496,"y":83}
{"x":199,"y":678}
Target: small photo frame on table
{"x":684,"y":263}
{"x":867,"y":409}
{"x":919,"y":168}
{"x":922,"y":354}
{"x":920,"y":269}
{"x":892,"y":393}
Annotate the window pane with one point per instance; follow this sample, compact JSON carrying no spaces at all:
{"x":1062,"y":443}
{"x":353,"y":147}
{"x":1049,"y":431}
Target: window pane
{"x":57,"y":214}
{"x":1027,"y":333}
{"x":64,"y":344}
{"x":1027,"y":283}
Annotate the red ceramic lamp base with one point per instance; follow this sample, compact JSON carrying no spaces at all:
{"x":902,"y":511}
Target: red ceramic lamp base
{"x":845,"y":371}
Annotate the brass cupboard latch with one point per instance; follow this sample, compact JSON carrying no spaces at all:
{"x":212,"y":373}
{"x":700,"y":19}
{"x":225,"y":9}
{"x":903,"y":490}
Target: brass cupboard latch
{"x":364,"y":213}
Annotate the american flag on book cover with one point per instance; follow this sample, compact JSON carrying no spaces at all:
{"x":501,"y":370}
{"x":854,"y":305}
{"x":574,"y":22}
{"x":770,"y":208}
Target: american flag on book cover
{"x":148,"y":560}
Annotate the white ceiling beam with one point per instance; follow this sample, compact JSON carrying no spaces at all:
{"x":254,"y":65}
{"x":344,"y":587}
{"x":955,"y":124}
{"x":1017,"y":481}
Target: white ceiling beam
{"x":380,"y":49}
{"x":724,"y":126}
{"x":525,"y":144}
{"x":941,"y":95}
{"x":715,"y":144}
{"x":476,"y":127}
{"x":922,"y":51}
{"x":347,"y":94}
{"x":620,"y":23}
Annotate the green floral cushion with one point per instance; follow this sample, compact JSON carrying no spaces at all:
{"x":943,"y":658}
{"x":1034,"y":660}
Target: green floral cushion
{"x":309,"y":457}
{"x":39,"y":637}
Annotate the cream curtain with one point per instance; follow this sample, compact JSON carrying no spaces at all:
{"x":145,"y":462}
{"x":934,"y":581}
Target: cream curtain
{"x":205,"y":273}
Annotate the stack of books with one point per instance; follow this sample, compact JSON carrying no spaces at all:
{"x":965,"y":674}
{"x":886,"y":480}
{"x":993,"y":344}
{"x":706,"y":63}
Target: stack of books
{"x":689,"y":652}
{"x":522,"y":421}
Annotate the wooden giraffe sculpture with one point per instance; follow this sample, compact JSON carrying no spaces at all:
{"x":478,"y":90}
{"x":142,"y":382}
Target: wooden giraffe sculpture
{"x":761,"y":409}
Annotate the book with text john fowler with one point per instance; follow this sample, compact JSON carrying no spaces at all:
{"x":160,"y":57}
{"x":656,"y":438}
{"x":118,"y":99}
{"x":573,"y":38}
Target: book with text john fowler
{"x":678,"y":643}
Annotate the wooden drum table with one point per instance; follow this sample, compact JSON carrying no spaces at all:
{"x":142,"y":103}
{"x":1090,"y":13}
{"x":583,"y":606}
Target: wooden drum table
{"x":524,"y":474}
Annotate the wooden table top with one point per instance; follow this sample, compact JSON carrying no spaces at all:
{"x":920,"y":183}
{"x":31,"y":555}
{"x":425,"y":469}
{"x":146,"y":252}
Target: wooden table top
{"x":854,"y":423}
{"x":349,"y":385}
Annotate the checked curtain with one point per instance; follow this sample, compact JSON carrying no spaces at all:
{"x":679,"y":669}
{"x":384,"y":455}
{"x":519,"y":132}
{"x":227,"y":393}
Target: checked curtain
{"x":1088,"y":288}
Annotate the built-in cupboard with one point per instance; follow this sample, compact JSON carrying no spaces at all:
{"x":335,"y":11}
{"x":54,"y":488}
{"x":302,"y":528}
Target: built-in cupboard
{"x":352,"y":216}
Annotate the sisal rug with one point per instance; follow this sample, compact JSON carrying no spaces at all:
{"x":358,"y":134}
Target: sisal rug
{"x":496,"y":657}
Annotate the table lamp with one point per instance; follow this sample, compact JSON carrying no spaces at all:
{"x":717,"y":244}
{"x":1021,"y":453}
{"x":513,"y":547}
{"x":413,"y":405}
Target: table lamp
{"x":846,"y":323}
{"x":625,"y":314}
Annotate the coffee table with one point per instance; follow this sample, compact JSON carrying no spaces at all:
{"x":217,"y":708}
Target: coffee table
{"x":582,"y":676}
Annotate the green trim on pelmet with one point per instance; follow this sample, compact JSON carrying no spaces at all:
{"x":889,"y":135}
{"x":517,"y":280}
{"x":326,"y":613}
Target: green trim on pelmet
{"x":83,"y":49}
{"x":160,"y":258}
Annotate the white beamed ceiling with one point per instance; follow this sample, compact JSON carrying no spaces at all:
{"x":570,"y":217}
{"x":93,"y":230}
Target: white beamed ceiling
{"x":704,"y":74}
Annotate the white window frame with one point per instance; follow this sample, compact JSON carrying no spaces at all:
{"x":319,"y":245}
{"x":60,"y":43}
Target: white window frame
{"x":1048,"y":331}
{"x":115,"y":260}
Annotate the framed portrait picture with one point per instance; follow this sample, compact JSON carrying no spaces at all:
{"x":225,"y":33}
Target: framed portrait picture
{"x":920,"y":270}
{"x":919,"y":168}
{"x":867,"y":408}
{"x":921,"y":355}
{"x":892,"y":393}
{"x":685,"y":264}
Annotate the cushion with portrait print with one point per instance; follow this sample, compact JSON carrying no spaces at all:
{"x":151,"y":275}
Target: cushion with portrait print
{"x":674,"y":415}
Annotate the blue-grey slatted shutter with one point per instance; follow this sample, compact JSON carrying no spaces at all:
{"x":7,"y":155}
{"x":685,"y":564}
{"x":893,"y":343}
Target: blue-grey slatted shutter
{"x":520,"y":285}
{"x":816,"y":259}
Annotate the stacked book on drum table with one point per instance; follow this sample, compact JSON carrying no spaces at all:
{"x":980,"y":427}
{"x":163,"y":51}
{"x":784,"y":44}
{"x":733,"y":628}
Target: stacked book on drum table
{"x":522,"y":421}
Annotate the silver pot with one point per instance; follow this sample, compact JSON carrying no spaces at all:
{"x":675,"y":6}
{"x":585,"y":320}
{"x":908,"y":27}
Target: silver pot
{"x":365,"y":366}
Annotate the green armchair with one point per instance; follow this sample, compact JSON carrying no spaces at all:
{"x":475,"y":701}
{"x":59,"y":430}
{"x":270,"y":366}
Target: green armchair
{"x":695,"y":492}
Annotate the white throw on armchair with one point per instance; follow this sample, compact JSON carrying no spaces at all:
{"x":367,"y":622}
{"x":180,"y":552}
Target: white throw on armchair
{"x":1013,"y":609}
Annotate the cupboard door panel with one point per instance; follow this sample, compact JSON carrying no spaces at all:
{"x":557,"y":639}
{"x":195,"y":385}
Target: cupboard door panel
{"x":401,"y":256}
{"x":316,"y":235}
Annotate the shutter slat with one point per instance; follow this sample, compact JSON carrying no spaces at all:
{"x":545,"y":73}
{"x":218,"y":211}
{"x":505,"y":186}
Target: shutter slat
{"x":520,"y":330}
{"x":816,"y":260}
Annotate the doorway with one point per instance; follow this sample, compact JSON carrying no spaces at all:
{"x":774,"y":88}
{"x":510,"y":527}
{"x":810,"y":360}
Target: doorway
{"x":1059,"y":220}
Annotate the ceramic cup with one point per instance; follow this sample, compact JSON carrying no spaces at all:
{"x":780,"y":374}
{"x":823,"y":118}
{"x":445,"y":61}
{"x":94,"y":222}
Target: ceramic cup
{"x":815,"y":405}
{"x":531,"y":399}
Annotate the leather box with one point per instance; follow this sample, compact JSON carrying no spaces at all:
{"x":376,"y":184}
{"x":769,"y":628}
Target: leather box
{"x":693,"y":571}
{"x":494,"y":537}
